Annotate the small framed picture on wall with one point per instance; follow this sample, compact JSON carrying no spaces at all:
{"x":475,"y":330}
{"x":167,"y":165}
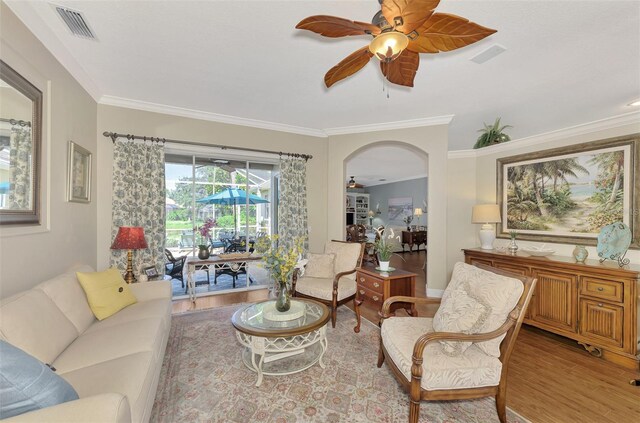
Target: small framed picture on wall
{"x":78,"y":174}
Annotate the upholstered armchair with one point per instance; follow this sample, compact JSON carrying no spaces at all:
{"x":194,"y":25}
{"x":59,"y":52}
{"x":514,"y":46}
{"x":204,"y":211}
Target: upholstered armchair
{"x":330,"y":278}
{"x":463,"y":351}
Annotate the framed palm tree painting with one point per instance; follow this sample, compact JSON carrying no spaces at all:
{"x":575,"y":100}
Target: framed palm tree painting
{"x":568,"y":194}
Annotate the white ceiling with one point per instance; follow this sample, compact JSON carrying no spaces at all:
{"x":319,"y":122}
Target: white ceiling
{"x":566,"y":63}
{"x":391,"y":163}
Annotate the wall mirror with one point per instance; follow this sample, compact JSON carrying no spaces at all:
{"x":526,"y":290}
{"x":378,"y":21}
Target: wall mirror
{"x":20,"y":144}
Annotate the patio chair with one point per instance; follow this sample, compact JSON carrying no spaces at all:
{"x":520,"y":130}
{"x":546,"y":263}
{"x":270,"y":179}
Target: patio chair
{"x":464,"y":351}
{"x":174,"y":266}
{"x":330,"y":278}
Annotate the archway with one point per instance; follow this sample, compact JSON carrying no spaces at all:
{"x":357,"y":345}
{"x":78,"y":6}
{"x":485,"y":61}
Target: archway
{"x":391,"y":190}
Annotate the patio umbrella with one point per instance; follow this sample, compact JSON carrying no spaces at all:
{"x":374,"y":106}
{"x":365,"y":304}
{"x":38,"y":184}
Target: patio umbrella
{"x":232,"y":197}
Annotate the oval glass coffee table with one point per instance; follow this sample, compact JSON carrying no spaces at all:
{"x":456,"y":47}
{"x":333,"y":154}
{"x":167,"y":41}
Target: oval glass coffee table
{"x":282,"y":343}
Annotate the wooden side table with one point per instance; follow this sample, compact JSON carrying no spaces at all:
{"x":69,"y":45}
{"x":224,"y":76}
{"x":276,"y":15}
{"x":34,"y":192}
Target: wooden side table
{"x":374,"y":287}
{"x":414,"y":238}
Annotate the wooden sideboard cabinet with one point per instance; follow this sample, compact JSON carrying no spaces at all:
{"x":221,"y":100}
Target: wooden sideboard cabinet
{"x":414,"y":238}
{"x":373,"y":288}
{"x":594,"y":303}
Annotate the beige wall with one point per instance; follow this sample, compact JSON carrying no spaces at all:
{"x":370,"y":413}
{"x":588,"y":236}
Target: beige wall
{"x":430,"y":140}
{"x":461,"y":196}
{"x":129,"y":121}
{"x":29,"y":255}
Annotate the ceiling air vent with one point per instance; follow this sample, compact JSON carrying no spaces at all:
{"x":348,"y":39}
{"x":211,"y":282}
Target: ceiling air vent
{"x":75,"y":21}
{"x":488,"y":54}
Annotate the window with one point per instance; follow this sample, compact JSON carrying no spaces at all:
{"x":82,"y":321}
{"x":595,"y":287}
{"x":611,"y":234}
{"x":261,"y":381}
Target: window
{"x":238,"y":195}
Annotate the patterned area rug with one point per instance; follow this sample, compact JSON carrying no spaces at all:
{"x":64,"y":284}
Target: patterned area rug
{"x":203,"y":378}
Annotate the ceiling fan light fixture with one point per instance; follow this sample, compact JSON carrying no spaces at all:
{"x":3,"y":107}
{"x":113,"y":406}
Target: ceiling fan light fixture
{"x":388,"y":45}
{"x":351,"y":183}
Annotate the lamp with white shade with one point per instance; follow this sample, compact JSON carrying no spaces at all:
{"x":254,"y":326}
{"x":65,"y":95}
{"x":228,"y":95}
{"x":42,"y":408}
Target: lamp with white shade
{"x":418,"y":213}
{"x":486,"y":214}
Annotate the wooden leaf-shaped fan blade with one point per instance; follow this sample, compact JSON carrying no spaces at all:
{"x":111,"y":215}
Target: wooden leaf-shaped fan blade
{"x":333,"y":27}
{"x":412,"y":12}
{"x":402,"y":70}
{"x":444,"y":32}
{"x":350,"y":65}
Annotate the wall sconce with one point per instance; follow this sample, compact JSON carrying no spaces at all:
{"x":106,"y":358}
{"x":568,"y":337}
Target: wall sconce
{"x":378,"y":209}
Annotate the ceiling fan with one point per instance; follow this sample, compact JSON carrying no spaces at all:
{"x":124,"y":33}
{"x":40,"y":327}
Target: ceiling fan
{"x":401,"y":29}
{"x":353,"y":184}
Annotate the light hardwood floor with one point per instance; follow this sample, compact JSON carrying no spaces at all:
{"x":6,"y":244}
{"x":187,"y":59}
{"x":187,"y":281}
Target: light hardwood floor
{"x":551,"y":379}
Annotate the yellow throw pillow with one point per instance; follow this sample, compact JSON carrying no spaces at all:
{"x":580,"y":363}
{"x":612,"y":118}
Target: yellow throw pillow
{"x":106,"y":292}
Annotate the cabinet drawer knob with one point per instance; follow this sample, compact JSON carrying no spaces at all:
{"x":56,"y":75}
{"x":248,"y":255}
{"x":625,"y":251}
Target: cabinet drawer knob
{"x":599,"y":304}
{"x":375,"y":298}
{"x":361,"y":292}
{"x":600,"y":288}
{"x":376,"y":284}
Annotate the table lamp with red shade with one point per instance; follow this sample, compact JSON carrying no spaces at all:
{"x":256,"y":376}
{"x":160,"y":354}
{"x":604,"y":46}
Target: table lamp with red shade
{"x":129,"y":238}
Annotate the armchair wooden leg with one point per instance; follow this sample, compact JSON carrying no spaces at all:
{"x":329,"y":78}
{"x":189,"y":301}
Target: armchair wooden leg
{"x":414,"y":411}
{"x":356,"y":306}
{"x":380,"y":355}
{"x":334,"y":308}
{"x":501,"y":403}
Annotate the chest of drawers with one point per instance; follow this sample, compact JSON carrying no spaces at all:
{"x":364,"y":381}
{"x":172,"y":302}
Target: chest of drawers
{"x":373,"y":287}
{"x":595,"y":303}
{"x":414,"y":238}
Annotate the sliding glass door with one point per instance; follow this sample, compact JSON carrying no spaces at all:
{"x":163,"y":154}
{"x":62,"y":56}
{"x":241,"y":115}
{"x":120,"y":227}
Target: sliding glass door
{"x":235,"y":194}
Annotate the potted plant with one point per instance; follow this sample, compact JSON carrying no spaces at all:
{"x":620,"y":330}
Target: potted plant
{"x":383,"y":248}
{"x":205,"y":234}
{"x":513,"y":247}
{"x":492,"y":135}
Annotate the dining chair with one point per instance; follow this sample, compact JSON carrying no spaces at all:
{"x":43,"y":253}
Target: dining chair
{"x":174,"y":266}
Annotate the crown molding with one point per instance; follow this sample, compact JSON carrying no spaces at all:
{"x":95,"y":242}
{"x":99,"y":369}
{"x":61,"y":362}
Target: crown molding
{"x":560,"y":134}
{"x":389,"y":126}
{"x":32,"y":20}
{"x":202,"y":115}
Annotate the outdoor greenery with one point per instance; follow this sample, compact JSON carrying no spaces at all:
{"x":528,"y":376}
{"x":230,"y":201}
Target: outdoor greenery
{"x":492,"y":135}
{"x":180,"y":222}
{"x":540,"y":196}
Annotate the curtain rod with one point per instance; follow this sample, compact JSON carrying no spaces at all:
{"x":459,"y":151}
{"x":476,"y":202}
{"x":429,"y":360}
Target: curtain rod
{"x":115,"y":135}
{"x":16,"y":122}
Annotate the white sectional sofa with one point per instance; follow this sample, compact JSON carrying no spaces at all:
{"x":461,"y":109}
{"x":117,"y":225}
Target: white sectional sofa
{"x":113,"y":364}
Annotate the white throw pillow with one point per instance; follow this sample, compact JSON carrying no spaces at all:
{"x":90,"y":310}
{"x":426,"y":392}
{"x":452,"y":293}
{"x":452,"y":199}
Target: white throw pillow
{"x":320,"y":266}
{"x":459,"y":312}
{"x":500,"y":293}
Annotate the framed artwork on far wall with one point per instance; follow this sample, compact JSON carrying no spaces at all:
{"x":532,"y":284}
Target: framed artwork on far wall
{"x":399,"y":208}
{"x":569,"y":194}
{"x":78,"y":174}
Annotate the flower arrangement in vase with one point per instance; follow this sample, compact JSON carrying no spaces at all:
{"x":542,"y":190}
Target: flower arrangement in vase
{"x":407,"y":220}
{"x":205,"y":233}
{"x":383,"y":248}
{"x":280,"y":262}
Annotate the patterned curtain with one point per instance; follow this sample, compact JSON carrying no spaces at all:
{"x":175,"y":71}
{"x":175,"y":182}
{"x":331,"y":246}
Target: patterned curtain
{"x":292,"y":205}
{"x":139,"y":200}
{"x":21,"y":169}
